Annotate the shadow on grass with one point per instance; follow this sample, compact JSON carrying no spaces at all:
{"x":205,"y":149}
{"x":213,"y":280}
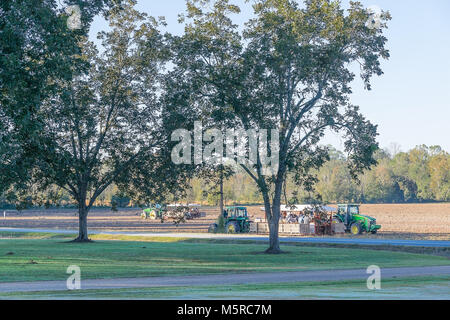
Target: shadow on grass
{"x":265,"y":253}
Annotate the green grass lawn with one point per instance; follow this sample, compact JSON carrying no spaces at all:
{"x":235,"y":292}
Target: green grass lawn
{"x":48,"y":258}
{"x":406,"y":288}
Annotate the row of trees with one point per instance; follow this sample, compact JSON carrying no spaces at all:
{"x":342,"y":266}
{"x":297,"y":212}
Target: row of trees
{"x":56,"y":197}
{"x":422,"y":174}
{"x":83,"y":118}
{"x":419,"y":175}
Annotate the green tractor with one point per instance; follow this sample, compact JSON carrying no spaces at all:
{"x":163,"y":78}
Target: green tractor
{"x":155,"y":212}
{"x":356,"y":223}
{"x":235,"y":219}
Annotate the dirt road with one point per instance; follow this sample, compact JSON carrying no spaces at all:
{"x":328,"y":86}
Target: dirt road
{"x":228,"y":279}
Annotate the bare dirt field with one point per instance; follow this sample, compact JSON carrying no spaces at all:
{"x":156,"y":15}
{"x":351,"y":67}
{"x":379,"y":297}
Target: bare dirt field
{"x":426,"y":221}
{"x":400,"y":221}
{"x":102,"y":219}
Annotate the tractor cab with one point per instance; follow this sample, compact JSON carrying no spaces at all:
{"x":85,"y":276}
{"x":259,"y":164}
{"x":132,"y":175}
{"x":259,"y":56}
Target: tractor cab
{"x":348,"y":209}
{"x":346,"y":212}
{"x":235,"y":213}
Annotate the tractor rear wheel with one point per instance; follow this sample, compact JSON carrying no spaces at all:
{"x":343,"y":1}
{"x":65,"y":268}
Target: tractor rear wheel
{"x":246,"y":227}
{"x":232,"y":227}
{"x":355,"y":229}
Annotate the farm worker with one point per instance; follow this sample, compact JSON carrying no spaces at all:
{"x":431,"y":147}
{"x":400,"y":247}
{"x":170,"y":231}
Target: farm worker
{"x":301,"y":220}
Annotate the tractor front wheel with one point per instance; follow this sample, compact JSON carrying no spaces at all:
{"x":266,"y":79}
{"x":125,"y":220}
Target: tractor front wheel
{"x":232,"y":227}
{"x":355,"y":229}
{"x":153,"y":215}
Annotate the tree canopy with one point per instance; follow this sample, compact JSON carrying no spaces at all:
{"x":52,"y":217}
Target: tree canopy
{"x":37,"y":50}
{"x":288,"y":70}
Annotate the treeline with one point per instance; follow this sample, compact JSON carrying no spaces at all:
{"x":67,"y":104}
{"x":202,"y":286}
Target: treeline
{"x":56,"y":197}
{"x":419,"y":175}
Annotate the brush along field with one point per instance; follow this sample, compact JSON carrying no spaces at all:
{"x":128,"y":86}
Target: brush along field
{"x":399,"y":221}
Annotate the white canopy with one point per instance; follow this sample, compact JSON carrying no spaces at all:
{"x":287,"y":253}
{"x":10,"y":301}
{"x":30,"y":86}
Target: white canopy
{"x":183,"y":205}
{"x":303,"y":207}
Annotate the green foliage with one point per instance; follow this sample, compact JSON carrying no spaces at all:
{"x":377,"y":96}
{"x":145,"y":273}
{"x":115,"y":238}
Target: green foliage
{"x":287,"y":70}
{"x":120,"y":200}
{"x":37,"y":52}
{"x":85,"y":119}
{"x":392,"y":180}
{"x":106,"y":120}
{"x":422,"y":174}
{"x":238,"y":189}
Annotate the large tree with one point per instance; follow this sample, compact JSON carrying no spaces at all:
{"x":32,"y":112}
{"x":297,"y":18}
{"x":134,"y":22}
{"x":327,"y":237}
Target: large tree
{"x":105,"y":124}
{"x":290,"y":70}
{"x":37,"y":49}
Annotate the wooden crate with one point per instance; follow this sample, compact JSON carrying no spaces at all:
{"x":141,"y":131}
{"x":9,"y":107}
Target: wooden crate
{"x":291,"y":228}
{"x":284,"y":228}
{"x":305,"y":229}
{"x":338,"y":228}
{"x":262,"y":227}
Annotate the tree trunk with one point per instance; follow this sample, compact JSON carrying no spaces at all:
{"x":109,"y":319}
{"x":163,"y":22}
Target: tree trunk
{"x":221,"y":194}
{"x":273,"y":219}
{"x":274,"y":240}
{"x":82,"y":223}
{"x":274,"y":214}
{"x":285,"y":191}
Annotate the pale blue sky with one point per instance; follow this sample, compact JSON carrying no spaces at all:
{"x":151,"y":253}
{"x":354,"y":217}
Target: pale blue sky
{"x":411,"y":101}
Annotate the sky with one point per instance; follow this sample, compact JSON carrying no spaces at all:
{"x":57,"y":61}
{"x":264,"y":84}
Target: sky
{"x":411,"y":102}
